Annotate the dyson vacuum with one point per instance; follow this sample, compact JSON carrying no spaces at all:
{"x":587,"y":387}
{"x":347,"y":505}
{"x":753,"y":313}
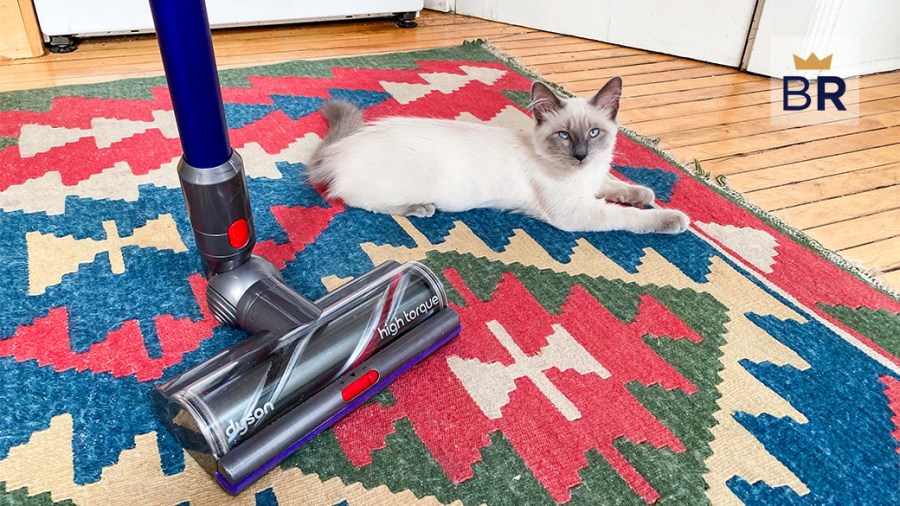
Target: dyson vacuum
{"x":306,"y":364}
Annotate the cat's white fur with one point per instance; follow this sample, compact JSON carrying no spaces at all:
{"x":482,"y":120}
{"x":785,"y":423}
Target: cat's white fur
{"x":413,"y":166}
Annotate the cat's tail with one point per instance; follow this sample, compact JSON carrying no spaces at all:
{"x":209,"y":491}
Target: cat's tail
{"x":344,"y":119}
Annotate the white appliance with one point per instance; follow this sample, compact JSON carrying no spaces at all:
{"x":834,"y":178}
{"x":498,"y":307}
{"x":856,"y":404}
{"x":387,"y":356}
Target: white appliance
{"x":84,"y":18}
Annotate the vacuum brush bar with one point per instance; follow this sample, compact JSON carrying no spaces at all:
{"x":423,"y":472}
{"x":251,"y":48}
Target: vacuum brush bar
{"x":265,"y":450}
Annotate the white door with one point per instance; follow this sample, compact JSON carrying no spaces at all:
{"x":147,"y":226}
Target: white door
{"x":862,"y":36}
{"x":707,"y":30}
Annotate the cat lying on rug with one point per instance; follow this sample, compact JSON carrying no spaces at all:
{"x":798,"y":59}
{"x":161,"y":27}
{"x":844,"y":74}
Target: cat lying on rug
{"x":559,"y":174}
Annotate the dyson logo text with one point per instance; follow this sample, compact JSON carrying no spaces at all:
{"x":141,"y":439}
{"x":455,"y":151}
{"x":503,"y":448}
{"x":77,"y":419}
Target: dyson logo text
{"x":242,"y":426}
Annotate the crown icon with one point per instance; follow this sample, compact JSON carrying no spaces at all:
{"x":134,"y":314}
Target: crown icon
{"x":812,"y":63}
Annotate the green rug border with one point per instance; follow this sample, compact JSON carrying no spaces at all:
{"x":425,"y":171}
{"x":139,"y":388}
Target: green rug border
{"x":479,"y":50}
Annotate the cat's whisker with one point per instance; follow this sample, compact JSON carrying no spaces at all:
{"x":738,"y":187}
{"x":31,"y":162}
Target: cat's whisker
{"x":622,"y":156}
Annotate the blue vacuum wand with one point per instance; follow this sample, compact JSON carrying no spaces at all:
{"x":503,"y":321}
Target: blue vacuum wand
{"x":307,"y":363}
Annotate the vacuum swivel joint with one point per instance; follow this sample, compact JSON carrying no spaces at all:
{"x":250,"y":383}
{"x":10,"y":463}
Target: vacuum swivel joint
{"x":255,"y":298}
{"x":218,"y":207}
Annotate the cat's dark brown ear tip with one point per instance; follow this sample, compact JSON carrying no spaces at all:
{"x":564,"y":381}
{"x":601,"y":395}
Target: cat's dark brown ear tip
{"x":543,"y":101}
{"x":614,"y":85}
{"x":538,"y":87}
{"x":607,"y":98}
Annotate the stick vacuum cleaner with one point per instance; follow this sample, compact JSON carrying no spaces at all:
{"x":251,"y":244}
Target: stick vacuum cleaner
{"x":307,"y":364}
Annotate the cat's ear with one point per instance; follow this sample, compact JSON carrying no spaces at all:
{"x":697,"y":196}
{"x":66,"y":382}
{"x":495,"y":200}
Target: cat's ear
{"x":607,"y":99}
{"x":543,"y":101}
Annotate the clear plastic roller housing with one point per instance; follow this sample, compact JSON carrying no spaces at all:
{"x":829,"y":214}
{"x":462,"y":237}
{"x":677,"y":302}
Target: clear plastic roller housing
{"x":222,"y":402}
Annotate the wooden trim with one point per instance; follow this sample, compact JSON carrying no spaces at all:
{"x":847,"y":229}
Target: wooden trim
{"x":20,"y":35}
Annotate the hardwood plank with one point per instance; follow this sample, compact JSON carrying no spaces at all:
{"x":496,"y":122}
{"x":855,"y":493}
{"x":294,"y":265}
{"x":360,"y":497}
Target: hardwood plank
{"x":808,"y":151}
{"x":882,"y":255}
{"x":716,"y":81}
{"x":278,"y":49}
{"x":743,"y":129}
{"x":847,"y":207}
{"x":592,"y":85}
{"x":782,"y":197}
{"x":561,"y":44}
{"x":601,"y":63}
{"x":871,"y":88}
{"x":858,"y":231}
{"x":779,"y":138}
{"x":677,"y":97}
{"x":523,"y":35}
{"x":629,"y":70}
{"x":761,"y":100}
{"x":811,"y":169}
{"x":891,"y":279}
{"x":591,"y":54}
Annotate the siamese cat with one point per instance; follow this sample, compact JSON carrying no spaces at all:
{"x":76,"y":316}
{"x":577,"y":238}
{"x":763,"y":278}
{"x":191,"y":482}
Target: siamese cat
{"x":559,"y":173}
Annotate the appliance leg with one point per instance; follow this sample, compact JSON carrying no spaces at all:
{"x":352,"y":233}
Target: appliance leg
{"x":62,"y":44}
{"x":405,"y":19}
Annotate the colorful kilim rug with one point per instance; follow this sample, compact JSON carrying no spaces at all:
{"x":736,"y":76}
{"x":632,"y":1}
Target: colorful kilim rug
{"x":733,"y":363}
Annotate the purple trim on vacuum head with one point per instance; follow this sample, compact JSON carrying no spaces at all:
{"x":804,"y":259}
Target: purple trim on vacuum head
{"x":234,"y":489}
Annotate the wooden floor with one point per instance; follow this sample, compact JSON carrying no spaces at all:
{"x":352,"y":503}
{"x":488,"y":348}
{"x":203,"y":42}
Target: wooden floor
{"x":839,"y":183}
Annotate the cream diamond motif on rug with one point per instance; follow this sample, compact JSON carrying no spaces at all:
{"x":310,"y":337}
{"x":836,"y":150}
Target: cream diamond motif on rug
{"x":754,"y":246}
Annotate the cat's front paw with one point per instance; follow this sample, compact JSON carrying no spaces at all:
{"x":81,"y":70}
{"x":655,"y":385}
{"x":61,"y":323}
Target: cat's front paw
{"x":671,"y":222}
{"x":640,"y":196}
{"x":631,"y":195}
{"x":421,"y":211}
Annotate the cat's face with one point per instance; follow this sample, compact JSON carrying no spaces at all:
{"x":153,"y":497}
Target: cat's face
{"x":574,"y":132}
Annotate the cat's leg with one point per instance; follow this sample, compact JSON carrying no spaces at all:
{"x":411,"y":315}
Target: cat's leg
{"x":598,"y":216}
{"x":418,"y":210}
{"x":614,"y":190}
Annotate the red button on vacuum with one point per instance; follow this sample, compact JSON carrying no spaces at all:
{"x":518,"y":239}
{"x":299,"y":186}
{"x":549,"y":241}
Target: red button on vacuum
{"x":359,"y":385}
{"x":238,"y":234}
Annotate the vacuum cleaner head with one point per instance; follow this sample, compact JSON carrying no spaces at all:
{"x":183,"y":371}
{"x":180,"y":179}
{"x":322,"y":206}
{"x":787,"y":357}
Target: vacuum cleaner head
{"x":249,"y":407}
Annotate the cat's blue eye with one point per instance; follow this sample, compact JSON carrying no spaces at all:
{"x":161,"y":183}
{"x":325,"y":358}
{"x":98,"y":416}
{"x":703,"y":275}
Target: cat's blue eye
{"x":563,"y":135}
{"x":594,"y":132}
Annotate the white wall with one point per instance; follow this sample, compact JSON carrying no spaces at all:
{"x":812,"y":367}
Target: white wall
{"x":863,"y":36}
{"x":708,"y":30}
